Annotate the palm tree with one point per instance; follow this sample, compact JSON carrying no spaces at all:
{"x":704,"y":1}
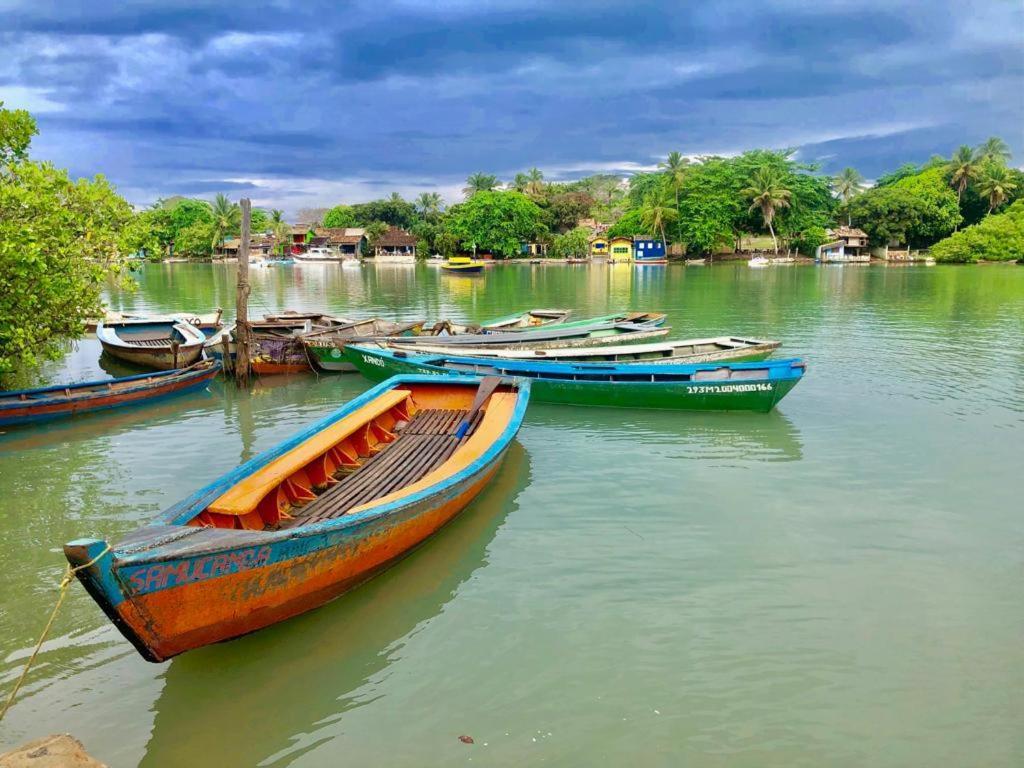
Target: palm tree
{"x":519,"y":182}
{"x":281,"y":229}
{"x":995,"y":150}
{"x":675,"y":168}
{"x":227,"y":217}
{"x":847,"y":185}
{"x":996,"y":184}
{"x":428,"y":204}
{"x":963,"y":167}
{"x":655,"y":213}
{"x":534,"y":183}
{"x":480,"y":182}
{"x":767,"y":194}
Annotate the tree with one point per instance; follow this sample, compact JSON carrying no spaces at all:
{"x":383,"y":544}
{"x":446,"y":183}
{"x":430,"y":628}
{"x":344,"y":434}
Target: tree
{"x":258,"y":220}
{"x":675,"y":169}
{"x":480,"y":182}
{"x":565,"y":210}
{"x":495,"y":221}
{"x":572,"y":244}
{"x":16,"y":131}
{"x":60,"y":242}
{"x":428,"y":205}
{"x":340,"y":216}
{"x":994,"y":150}
{"x":282,"y":230}
{"x":963,"y":169}
{"x":375,"y":230}
{"x":995,"y":184}
{"x":767,"y":194}
{"x":999,"y":237}
{"x":534,"y":183}
{"x":227,"y":219}
{"x":394,"y":211}
{"x":196,"y":240}
{"x":847,"y":185}
{"x":656,"y":213}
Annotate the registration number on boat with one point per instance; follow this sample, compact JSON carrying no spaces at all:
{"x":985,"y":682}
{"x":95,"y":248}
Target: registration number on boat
{"x":727,"y":388}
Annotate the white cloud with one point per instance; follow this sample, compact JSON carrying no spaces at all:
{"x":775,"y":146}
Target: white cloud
{"x":33,"y":99}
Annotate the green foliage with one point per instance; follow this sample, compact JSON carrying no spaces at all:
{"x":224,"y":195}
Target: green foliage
{"x":340,"y":216}
{"x":495,"y":221}
{"x":995,"y":184}
{"x":999,"y":237}
{"x":196,"y":240}
{"x":60,"y":240}
{"x":630,"y":225}
{"x":17,"y":127}
{"x":227,"y":219}
{"x":656,"y":213}
{"x":259,"y":221}
{"x":375,"y":230}
{"x":917,"y":209}
{"x":905,"y":170}
{"x":394,"y":211}
{"x":571,"y":245}
{"x":710,"y":207}
{"x":484,"y":182}
{"x":643,"y":185}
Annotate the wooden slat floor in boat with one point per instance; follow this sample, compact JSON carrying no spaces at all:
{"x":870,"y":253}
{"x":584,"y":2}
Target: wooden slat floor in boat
{"x":423,"y":445}
{"x":154,"y":343}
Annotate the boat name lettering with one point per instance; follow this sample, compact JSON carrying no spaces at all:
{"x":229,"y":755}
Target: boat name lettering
{"x":162,"y":575}
{"x":726,"y":388}
{"x":372,"y":360}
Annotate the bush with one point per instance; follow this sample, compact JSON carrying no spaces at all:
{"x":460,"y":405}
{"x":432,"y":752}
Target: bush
{"x":999,"y":237}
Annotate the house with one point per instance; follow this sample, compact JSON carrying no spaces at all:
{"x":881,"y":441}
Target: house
{"x":349,"y":241}
{"x":396,"y":245}
{"x":845,"y":244}
{"x":648,"y":249}
{"x":534,"y":250}
{"x":259,"y":247}
{"x":599,"y":246}
{"x":620,"y":248}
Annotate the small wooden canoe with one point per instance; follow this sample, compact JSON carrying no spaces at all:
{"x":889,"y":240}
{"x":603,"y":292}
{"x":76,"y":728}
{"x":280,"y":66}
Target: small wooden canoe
{"x":706,"y":387}
{"x":732,"y":349}
{"x":325,"y":348}
{"x":534,"y":318}
{"x":42,"y":404}
{"x":307,"y":520}
{"x":560,"y":335}
{"x":208,"y":323}
{"x":159,"y":344}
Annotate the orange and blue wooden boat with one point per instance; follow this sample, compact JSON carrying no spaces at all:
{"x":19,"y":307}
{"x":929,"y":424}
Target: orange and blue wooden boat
{"x":309,"y":519}
{"x":28,"y":406}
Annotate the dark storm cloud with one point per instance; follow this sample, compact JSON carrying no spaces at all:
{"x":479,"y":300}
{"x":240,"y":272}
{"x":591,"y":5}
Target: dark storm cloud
{"x":310,"y":102}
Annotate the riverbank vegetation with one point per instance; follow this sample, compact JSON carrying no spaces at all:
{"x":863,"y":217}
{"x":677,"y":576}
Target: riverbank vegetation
{"x":60,"y":242}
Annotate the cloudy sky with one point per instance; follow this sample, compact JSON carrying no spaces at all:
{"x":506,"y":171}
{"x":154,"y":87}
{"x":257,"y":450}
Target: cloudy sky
{"x":303,"y":104}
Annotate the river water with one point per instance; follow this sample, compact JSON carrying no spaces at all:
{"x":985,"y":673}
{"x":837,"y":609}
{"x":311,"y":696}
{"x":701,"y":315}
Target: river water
{"x":836,"y":583}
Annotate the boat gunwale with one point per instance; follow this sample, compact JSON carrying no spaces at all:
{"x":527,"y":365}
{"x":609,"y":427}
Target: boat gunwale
{"x":60,"y":388}
{"x":193,"y":338}
{"x":175,"y":518}
{"x":542,"y":354}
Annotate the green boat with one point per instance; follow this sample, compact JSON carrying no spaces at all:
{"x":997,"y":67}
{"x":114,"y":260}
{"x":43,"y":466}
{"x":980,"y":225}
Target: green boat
{"x":706,"y":387}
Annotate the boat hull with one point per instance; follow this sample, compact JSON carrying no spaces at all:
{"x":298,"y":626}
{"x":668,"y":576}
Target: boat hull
{"x":760,"y":396}
{"x":161,"y":360}
{"x":172,"y":587}
{"x":176,"y":383}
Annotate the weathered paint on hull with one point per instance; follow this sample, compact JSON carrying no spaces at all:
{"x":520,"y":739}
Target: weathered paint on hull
{"x":676,"y":396}
{"x":159,"y":359}
{"x":330,"y":358}
{"x":301,"y":572}
{"x":49,"y":411}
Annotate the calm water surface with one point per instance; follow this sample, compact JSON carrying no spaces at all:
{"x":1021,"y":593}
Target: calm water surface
{"x":837,"y":583}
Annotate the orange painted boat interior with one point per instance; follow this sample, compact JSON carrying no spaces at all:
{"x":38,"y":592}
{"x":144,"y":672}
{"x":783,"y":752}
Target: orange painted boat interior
{"x":266,"y":499}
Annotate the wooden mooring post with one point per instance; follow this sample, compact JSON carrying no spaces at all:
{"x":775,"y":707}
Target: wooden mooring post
{"x":242,"y":331}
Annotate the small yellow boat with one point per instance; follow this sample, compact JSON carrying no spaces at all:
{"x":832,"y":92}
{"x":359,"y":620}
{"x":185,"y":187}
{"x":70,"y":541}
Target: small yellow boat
{"x":463,"y":264}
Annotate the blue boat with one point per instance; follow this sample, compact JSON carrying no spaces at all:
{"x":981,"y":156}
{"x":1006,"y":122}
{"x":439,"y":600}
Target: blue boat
{"x":28,"y":406}
{"x":752,"y":386}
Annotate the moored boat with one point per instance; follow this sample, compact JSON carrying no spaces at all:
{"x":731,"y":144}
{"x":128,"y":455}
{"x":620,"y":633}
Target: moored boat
{"x":534,"y":318}
{"x":209,"y":323}
{"x":45,"y":403}
{"x":276,"y":341}
{"x":719,"y":349}
{"x":307,"y":520}
{"x":325,"y":348}
{"x":703,"y":387}
{"x":651,"y":319}
{"x":463,"y":265}
{"x":563,"y":334}
{"x":159,"y":344}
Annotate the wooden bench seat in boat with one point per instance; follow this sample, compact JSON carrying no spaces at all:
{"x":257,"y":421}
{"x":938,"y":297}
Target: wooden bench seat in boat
{"x":426,"y":443}
{"x":296,"y":474}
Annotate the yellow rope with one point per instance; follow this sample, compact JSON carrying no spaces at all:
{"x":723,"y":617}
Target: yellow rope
{"x":69,"y":575}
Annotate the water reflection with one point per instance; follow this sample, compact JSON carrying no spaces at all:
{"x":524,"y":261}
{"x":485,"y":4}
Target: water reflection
{"x":309,"y":671}
{"x":729,"y":437}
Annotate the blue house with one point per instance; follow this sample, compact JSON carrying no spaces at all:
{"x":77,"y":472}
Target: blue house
{"x":648,"y":249}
